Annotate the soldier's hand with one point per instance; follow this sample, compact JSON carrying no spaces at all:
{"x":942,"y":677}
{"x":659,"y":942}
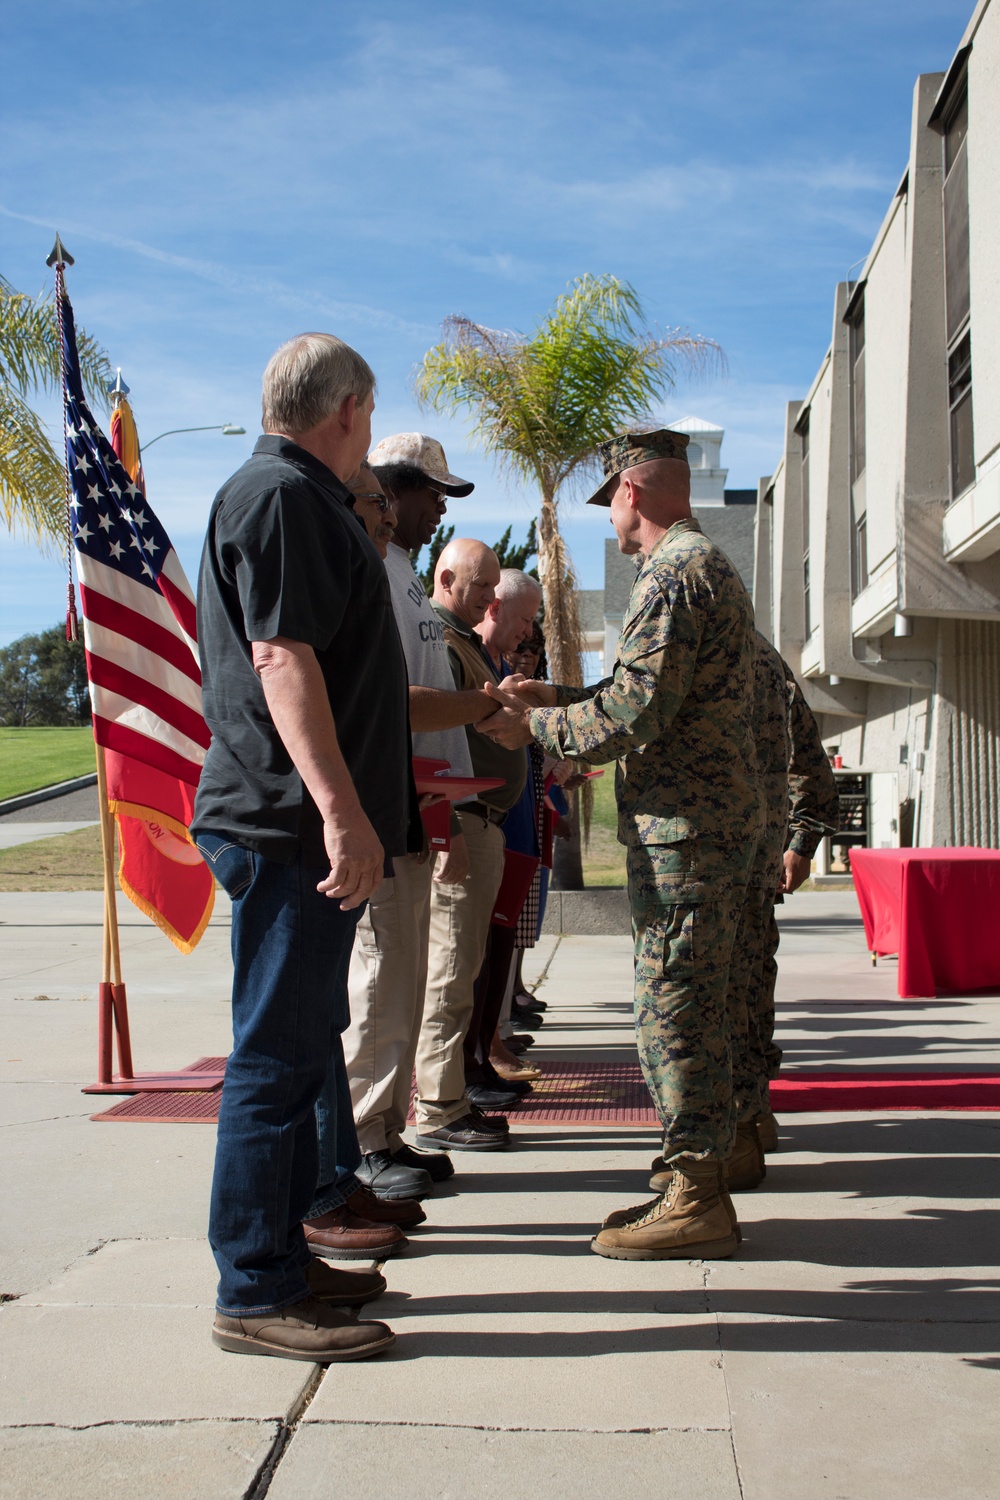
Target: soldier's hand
{"x":796,"y":869}
{"x":509,"y":725}
{"x":538,"y":694}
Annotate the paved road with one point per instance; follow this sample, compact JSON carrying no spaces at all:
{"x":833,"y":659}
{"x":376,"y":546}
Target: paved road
{"x":849,"y":1350}
{"x":45,"y":819}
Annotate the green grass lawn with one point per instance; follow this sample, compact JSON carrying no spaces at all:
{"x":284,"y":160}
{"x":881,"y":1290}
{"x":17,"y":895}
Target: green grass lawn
{"x":33,"y":758}
{"x":67,"y":862}
{"x":604,"y":857}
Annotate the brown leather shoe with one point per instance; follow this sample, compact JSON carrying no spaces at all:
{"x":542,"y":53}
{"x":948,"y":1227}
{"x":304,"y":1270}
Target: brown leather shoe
{"x":307,"y":1330}
{"x":406,"y":1212}
{"x":341,"y":1235}
{"x":342,"y":1288}
{"x":470,"y":1133}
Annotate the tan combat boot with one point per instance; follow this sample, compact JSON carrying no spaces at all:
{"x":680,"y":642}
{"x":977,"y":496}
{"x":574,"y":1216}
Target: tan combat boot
{"x":767,"y":1130}
{"x":629,"y":1215}
{"x":690,"y":1221}
{"x":745,"y":1168}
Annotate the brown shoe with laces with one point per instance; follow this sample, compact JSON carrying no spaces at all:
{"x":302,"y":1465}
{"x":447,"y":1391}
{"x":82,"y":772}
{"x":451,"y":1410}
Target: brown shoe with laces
{"x":308,"y":1330}
{"x":342,"y":1288}
{"x":406,"y":1212}
{"x":341,"y":1235}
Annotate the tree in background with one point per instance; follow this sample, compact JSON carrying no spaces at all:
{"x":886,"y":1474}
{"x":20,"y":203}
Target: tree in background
{"x":32,"y":476}
{"x":509,"y":557}
{"x":541,"y":403}
{"x":43,"y":681}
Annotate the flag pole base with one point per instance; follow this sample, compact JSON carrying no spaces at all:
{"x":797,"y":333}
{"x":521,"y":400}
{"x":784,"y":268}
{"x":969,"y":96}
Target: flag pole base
{"x":201,"y":1077}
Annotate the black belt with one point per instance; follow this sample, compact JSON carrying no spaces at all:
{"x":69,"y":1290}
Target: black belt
{"x":488,"y":814}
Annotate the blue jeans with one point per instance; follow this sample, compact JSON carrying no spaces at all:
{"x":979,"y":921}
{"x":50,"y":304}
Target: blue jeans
{"x":291,"y":950}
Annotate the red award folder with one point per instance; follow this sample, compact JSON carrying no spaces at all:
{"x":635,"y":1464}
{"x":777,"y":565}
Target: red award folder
{"x":518,"y":873}
{"x":435,"y":777}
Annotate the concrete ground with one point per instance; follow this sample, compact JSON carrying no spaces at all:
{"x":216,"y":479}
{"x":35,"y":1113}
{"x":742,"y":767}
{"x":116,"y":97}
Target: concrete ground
{"x":848,"y":1351}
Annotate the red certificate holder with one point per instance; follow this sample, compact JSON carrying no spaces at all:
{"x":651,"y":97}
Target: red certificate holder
{"x":436,"y":778}
{"x":518,"y":873}
{"x":937,"y":909}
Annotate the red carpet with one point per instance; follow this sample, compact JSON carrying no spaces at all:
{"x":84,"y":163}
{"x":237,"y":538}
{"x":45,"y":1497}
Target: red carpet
{"x":615,"y":1094}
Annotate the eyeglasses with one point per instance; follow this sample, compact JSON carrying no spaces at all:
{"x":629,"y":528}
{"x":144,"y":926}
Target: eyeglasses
{"x":382,"y":501}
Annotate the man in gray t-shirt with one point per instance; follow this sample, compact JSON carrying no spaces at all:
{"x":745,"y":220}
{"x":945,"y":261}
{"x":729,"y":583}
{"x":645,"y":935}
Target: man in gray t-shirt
{"x":389,"y":963}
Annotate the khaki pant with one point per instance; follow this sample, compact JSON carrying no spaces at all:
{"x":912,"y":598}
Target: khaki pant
{"x":459,"y":926}
{"x":386,"y":986}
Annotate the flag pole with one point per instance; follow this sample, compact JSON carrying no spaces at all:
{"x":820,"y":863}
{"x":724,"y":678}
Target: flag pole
{"x":111,"y":1001}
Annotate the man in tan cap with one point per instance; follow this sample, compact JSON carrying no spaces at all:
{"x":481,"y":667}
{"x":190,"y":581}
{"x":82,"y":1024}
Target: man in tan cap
{"x":388,"y":971}
{"x":676,"y":715}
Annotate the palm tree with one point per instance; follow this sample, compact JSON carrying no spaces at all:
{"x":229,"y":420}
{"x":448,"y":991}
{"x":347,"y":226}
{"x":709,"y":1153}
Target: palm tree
{"x":32,"y":477}
{"x":542,"y":402}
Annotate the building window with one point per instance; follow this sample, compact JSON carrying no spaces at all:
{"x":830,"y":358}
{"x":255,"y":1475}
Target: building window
{"x":859,"y":556}
{"x":803,"y":430}
{"x":957,"y":298}
{"x":963,"y":463}
{"x":858,"y":453}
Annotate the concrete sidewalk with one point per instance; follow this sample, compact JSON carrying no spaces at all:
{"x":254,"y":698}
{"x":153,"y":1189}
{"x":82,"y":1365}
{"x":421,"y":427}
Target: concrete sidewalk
{"x":849,"y":1350}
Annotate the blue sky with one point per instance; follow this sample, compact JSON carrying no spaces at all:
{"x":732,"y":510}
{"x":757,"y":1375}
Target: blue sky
{"x":228,"y":175}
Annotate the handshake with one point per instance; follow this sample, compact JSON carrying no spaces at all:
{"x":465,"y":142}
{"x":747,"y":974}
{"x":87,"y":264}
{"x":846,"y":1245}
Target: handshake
{"x":515,"y":697}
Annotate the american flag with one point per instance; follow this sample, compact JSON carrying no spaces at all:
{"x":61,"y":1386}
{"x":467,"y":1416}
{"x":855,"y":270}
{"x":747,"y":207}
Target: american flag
{"x":138,"y":608}
{"x":142,"y":660}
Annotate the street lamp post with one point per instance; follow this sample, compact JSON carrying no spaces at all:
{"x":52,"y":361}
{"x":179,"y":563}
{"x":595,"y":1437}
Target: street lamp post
{"x":228,"y":429}
{"x":117,"y":389}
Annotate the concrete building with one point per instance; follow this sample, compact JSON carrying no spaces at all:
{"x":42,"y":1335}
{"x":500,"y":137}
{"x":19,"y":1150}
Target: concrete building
{"x":877,"y":566}
{"x":726,"y":515}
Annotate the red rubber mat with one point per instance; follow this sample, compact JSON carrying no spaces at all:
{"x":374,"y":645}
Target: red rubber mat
{"x":166,"y":1109}
{"x":615,"y":1094}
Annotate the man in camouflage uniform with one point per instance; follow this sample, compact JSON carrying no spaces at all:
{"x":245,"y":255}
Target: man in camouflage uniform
{"x":676,"y":714}
{"x":800,"y":798}
{"x":813,"y":813}
{"x":772,"y":747}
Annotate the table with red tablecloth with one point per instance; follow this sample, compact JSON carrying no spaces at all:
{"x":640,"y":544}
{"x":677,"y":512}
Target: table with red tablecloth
{"x":939,"y":909}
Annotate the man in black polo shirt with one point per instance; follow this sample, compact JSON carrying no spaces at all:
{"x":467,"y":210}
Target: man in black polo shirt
{"x":305,"y":794}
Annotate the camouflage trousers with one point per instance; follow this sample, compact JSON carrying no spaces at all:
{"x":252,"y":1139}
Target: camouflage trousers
{"x":765,"y":996}
{"x":682,"y":1022}
{"x":751,"y":1025}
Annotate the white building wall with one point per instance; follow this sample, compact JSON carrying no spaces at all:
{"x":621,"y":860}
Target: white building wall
{"x":906,"y":678}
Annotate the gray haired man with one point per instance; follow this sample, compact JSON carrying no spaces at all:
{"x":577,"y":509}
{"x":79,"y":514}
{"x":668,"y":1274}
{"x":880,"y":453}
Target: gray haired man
{"x":305,"y":793}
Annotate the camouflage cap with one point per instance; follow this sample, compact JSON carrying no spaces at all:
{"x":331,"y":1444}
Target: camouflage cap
{"x":631,"y":448}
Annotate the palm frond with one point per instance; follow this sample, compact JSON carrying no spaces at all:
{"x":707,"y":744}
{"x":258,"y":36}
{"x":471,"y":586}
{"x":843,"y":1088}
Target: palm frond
{"x":29,"y":347}
{"x":32,"y":478}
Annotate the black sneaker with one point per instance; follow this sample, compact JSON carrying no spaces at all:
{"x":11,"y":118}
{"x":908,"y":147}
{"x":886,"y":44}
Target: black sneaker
{"x":389,"y":1179}
{"x":435,"y":1163}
